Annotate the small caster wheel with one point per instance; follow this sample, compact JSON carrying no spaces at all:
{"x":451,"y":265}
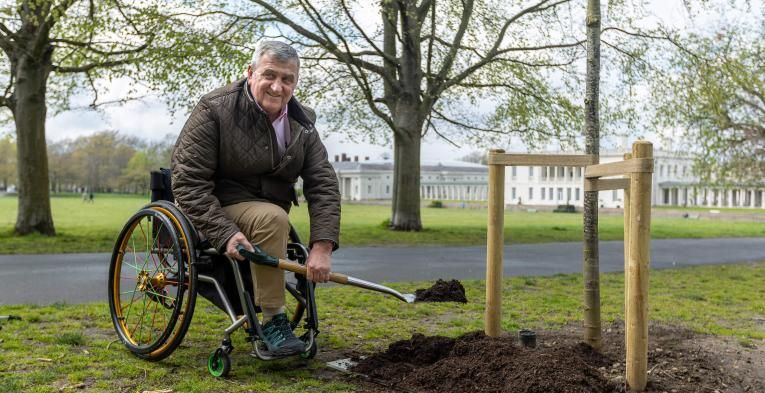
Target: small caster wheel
{"x":310,"y":353}
{"x":219,"y":363}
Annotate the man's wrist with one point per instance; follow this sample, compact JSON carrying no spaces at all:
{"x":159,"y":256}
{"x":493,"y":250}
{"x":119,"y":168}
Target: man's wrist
{"x":323,"y":246}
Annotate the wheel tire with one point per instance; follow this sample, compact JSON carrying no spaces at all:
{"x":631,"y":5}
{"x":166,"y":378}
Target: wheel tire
{"x":310,"y":353}
{"x":169,"y":254}
{"x":219,"y":363}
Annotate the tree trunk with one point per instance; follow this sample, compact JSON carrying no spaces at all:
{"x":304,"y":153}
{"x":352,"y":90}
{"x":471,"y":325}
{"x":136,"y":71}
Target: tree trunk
{"x":406,"y":214}
{"x":34,"y":214}
{"x":591,"y":269}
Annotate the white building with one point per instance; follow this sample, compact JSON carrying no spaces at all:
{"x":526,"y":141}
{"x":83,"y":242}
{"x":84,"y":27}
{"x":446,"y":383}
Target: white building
{"x":441,"y":180}
{"x":673,"y":183}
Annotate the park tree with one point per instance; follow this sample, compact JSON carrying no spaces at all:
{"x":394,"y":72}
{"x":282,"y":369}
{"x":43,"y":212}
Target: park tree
{"x":430,"y":66}
{"x":7,"y":161}
{"x":715,"y":94}
{"x":56,"y":48}
{"x":591,"y":266}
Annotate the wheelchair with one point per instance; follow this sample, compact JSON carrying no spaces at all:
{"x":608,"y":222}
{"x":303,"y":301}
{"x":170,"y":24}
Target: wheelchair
{"x":158,"y":267}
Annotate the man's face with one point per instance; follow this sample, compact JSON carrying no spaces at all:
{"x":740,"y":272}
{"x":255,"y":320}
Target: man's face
{"x":272,"y":83}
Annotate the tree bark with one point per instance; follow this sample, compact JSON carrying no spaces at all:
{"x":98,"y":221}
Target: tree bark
{"x":34,"y":213}
{"x":406,"y":215}
{"x":591,"y":268}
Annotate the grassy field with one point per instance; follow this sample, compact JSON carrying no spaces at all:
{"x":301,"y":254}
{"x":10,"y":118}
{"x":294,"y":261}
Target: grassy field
{"x":64,"y":347}
{"x":93,"y":227}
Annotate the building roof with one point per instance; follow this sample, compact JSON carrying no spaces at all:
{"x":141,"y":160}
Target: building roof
{"x":426,"y":166}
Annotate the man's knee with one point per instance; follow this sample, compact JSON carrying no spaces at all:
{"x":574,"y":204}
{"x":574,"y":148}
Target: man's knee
{"x":275,"y":219}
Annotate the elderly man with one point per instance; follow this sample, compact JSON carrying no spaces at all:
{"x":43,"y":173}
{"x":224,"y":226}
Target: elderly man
{"x":234,"y":168}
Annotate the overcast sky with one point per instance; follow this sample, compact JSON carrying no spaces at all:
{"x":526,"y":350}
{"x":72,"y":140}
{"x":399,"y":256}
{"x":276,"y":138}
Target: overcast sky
{"x":152,"y":121}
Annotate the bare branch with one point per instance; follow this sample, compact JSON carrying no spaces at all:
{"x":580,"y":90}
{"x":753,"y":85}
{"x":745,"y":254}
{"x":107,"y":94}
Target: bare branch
{"x":495,"y":51}
{"x":324,"y":42}
{"x":364,"y":34}
{"x":433,"y":126}
{"x":90,"y":66}
{"x":446,"y":65}
{"x":89,"y":47}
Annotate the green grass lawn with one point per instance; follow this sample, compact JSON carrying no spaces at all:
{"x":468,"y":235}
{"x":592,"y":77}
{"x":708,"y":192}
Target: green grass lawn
{"x":93,"y":227}
{"x":64,"y":347}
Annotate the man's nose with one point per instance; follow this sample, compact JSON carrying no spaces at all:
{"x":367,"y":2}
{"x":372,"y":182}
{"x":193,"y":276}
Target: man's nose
{"x":276,"y":87}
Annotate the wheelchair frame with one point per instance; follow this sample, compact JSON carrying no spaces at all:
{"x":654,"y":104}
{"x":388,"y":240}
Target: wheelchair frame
{"x":177,"y":255}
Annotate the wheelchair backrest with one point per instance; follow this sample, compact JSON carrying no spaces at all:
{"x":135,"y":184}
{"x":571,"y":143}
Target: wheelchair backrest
{"x":161,"y":185}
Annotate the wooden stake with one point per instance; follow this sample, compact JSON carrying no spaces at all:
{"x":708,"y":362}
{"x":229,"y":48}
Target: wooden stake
{"x":626,"y":238}
{"x":494,"y":247}
{"x":637,"y":279}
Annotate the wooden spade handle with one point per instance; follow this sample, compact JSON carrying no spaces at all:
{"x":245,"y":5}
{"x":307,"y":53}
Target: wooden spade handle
{"x":301,"y":269}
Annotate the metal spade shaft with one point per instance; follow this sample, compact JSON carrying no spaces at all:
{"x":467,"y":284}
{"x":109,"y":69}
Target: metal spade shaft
{"x":261,"y":258}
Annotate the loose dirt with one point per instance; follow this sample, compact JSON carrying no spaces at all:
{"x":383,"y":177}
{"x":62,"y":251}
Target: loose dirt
{"x":679,"y":361}
{"x":442,"y":291}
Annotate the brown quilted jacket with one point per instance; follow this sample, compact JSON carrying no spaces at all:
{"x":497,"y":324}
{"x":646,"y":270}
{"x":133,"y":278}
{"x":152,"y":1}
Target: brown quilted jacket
{"x":226,"y":154}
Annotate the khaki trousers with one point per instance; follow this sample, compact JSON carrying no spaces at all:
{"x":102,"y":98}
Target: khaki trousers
{"x":266,"y":226}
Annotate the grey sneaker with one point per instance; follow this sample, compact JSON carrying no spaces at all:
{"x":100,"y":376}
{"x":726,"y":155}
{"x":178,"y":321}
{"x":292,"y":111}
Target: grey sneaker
{"x":279,"y":339}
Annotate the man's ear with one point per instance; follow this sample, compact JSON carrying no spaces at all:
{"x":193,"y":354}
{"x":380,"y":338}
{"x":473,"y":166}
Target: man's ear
{"x":249,"y":70}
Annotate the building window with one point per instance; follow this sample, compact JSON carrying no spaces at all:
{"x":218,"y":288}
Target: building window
{"x":568,"y":194}
{"x":531,"y":193}
{"x":570,"y":172}
{"x":543,"y":193}
{"x":550,"y":193}
{"x":614,"y":195}
{"x":560,"y":193}
{"x":514,"y":172}
{"x":576,"y":192}
{"x":543,"y":172}
{"x":512,"y":193}
{"x":531,"y":172}
{"x":578,"y":172}
{"x":387,"y":189}
{"x":561,"y":172}
{"x":369,"y":189}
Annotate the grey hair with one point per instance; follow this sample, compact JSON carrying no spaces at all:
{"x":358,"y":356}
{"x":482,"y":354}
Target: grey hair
{"x":279,"y":50}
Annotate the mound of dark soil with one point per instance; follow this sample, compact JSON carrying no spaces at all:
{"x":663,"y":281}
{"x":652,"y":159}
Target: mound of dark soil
{"x":477,"y":363}
{"x":679,"y":361}
{"x":442,"y":291}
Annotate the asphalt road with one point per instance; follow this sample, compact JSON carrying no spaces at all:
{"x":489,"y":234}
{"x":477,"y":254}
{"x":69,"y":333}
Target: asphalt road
{"x":79,"y":278}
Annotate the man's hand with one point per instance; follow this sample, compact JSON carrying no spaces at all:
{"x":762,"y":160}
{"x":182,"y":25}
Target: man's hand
{"x":234,"y":241}
{"x":319,"y":261}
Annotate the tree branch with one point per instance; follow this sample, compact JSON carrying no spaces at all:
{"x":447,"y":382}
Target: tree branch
{"x":446,"y":66}
{"x":90,"y":48}
{"x":433,"y":126}
{"x":326,"y":43}
{"x":364,"y":34}
{"x":90,"y":66}
{"x":494,"y":51}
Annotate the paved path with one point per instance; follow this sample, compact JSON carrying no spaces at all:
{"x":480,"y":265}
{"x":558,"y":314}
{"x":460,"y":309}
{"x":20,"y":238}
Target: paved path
{"x":77,"y":278}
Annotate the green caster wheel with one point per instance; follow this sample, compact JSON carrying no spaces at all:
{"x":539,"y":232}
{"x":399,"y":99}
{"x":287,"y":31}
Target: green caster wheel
{"x":219,"y":363}
{"x":310,"y":353}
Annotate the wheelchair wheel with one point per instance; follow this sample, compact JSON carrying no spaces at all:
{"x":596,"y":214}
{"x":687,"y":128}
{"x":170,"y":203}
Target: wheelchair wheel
{"x":152,"y":284}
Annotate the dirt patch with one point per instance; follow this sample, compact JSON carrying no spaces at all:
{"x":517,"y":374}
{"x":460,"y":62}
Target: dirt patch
{"x":679,"y":361}
{"x":442,"y":291}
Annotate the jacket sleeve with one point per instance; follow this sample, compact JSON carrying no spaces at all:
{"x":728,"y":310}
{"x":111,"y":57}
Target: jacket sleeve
{"x":321,"y":191}
{"x":194,"y":162}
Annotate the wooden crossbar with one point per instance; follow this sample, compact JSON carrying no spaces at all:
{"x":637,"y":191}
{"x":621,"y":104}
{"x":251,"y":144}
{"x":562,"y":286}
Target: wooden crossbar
{"x":606,"y":184}
{"x":509,"y":159}
{"x":635,"y":165}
